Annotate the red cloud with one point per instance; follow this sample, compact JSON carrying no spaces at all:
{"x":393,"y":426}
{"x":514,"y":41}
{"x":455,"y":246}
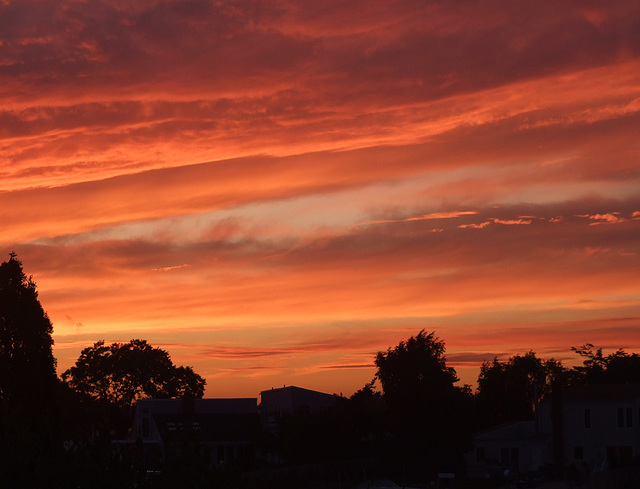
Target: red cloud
{"x":251,"y":140}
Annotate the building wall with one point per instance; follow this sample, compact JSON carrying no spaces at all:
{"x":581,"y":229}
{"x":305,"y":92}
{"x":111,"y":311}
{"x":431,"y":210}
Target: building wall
{"x":514,"y":447}
{"x":226,"y":427}
{"x":597,"y":427}
{"x":601,"y":433}
{"x":290,"y":400}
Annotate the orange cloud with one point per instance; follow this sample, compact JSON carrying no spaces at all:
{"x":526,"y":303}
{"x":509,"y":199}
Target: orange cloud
{"x":433,"y":215}
{"x":208,"y":176}
{"x":475,"y":226}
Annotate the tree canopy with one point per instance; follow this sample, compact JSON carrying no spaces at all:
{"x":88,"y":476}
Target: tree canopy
{"x":28,"y":382}
{"x":508,"y":391}
{"x":122,"y":373}
{"x":27,"y":365}
{"x":414,"y":367}
{"x":430,"y":414}
{"x":616,"y":368}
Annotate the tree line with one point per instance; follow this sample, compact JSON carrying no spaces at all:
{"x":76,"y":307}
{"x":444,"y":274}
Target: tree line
{"x":56,"y":432}
{"x":411,"y":419}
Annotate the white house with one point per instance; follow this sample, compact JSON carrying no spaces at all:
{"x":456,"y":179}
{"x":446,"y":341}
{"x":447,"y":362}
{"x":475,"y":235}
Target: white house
{"x":601,"y":426}
{"x":590,"y":428}
{"x":513,"y":447}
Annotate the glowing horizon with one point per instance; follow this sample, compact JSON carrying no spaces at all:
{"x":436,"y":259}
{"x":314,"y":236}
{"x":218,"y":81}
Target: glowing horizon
{"x":275,"y":192}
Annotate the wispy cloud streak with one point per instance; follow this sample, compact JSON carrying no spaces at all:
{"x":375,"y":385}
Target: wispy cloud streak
{"x":279,"y":190}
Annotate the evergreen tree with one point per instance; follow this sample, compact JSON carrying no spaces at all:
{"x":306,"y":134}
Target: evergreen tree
{"x":28,"y":428}
{"x":26,"y":358}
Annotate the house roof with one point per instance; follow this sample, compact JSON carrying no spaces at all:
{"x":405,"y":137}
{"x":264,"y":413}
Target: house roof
{"x":292,"y":397}
{"x":294,"y":389}
{"x":603,"y":393}
{"x":515,"y":430}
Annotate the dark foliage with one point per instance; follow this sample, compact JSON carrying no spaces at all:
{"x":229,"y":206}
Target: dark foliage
{"x":26,"y":358}
{"x":57,"y":433}
{"x":508,"y":391}
{"x":122,"y":373}
{"x":29,"y":435}
{"x":616,"y":368}
{"x":429,"y":416}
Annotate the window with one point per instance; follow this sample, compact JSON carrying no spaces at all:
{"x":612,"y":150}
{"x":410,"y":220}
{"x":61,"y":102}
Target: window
{"x":515,"y":456}
{"x":480,"y":454}
{"x":587,"y":418}
{"x":241,"y":451}
{"x":509,"y":457}
{"x":620,"y":418}
{"x":504,"y":456}
{"x":619,"y":456}
{"x":220,"y":454}
{"x":145,"y":427}
{"x":578,"y":453}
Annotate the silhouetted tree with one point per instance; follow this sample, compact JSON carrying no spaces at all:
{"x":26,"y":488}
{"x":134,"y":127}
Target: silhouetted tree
{"x":343,"y":438}
{"x":365,"y":411}
{"x":429,"y":414}
{"x":508,"y":391}
{"x":26,"y":358}
{"x":416,"y":367}
{"x":616,"y":368}
{"x":28,"y":428}
{"x":122,"y":373}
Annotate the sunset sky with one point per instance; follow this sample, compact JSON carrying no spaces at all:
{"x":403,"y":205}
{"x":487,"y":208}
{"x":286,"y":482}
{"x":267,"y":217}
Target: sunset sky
{"x":274,"y":191}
